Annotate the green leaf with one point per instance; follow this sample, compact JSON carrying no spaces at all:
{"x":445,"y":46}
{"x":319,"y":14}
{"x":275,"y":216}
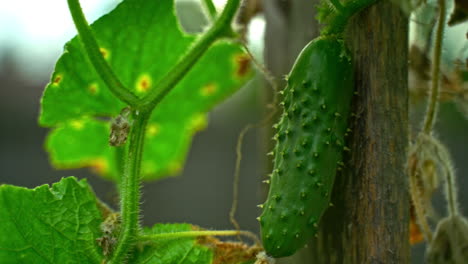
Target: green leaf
{"x":182,"y":250}
{"x":81,"y":143}
{"x":200,"y":250}
{"x":141,"y":40}
{"x":49,"y":225}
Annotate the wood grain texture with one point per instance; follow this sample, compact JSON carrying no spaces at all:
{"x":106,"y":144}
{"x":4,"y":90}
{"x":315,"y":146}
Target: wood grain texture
{"x":369,"y":220}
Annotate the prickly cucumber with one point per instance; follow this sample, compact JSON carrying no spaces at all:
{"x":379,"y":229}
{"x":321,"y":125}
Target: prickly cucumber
{"x":309,"y":145}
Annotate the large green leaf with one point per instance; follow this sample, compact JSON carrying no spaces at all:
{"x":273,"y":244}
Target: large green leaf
{"x":62,"y":224}
{"x":141,"y":40}
{"x":49,"y":225}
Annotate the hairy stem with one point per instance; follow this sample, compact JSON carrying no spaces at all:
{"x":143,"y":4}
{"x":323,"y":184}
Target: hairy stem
{"x":450,"y":180}
{"x":130,"y":181}
{"x":99,"y":63}
{"x":221,"y":28}
{"x":434,"y":98}
{"x":130,"y":187}
{"x":120,"y":156}
{"x":451,"y":192}
{"x":416,"y":194}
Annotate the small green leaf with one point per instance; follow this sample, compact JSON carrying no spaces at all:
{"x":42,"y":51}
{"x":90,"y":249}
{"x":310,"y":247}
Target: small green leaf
{"x":182,"y":250}
{"x":141,"y":40}
{"x":166,"y":247}
{"x":57,"y":224}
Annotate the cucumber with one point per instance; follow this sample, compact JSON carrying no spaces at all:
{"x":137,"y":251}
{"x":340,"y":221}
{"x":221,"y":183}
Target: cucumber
{"x":309,"y":145}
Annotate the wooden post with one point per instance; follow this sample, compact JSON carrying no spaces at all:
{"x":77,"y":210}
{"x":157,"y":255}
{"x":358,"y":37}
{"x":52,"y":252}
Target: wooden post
{"x":369,"y":220}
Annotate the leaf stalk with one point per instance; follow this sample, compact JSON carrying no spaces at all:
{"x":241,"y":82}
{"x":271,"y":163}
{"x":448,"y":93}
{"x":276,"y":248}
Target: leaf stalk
{"x":220,"y":29}
{"x":97,"y":60}
{"x":431,"y":111}
{"x":199,"y":233}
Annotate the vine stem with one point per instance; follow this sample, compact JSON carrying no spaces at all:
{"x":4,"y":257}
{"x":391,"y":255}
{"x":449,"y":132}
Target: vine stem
{"x":451,"y":191}
{"x":189,"y":234}
{"x":235,"y":189}
{"x":221,"y":28}
{"x":426,"y":133}
{"x":451,"y":194}
{"x":434,"y":98}
{"x":97,"y":60}
{"x":272,"y":82}
{"x":339,"y":20}
{"x":211,"y":8}
{"x":130,"y":200}
{"x":416,"y":193}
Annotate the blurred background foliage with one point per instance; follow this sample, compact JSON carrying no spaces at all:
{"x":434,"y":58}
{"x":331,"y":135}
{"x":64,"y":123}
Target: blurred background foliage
{"x":32,"y":35}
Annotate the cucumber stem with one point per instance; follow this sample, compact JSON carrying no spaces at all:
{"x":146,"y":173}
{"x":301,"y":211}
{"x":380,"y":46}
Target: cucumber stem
{"x":339,"y":19}
{"x":434,"y":98}
{"x":130,"y":188}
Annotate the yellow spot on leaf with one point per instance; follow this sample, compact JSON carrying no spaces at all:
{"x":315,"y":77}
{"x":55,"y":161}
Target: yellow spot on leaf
{"x":105,"y":53}
{"x":77,"y":124}
{"x":209,"y":89}
{"x":175,"y":168}
{"x":143,"y":83}
{"x":57,"y":79}
{"x":198,"y":122}
{"x":99,"y":166}
{"x":242,"y":65}
{"x":153,"y":129}
{"x":93,"y":88}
